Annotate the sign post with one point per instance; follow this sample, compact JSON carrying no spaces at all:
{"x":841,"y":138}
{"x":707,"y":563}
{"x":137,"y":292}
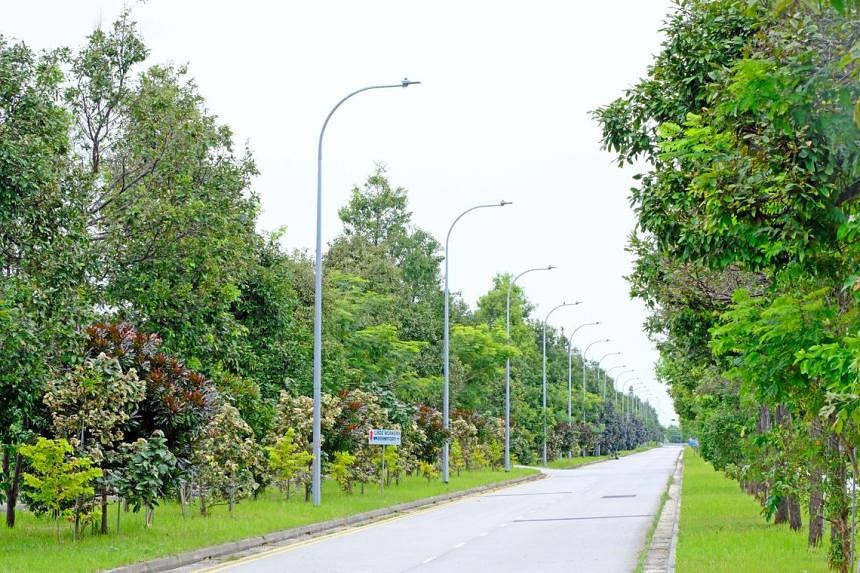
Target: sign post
{"x":383,"y":437}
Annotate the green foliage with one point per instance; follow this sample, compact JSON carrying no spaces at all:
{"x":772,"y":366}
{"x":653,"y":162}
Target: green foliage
{"x":428,"y":470}
{"x":456,"y":460}
{"x":746,"y":250}
{"x":341,"y":470}
{"x":56,"y":479}
{"x":91,"y":405}
{"x":178,"y":401}
{"x":224,"y":460}
{"x":287,"y":461}
{"x":150,"y":469}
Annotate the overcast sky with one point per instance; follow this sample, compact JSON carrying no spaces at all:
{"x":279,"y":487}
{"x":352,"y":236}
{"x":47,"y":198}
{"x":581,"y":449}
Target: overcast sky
{"x":502,"y":113}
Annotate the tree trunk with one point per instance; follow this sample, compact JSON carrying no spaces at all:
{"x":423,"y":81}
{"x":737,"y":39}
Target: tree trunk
{"x":203,"y":502}
{"x":781,"y":515}
{"x":12,"y":490}
{"x":789,"y":507}
{"x":816,"y":516}
{"x":104,"y":527}
{"x":816,"y":496}
{"x":795,"y":520}
{"x":838,"y":507}
{"x":182,"y":498}
{"x":307,"y":492}
{"x":149,"y":516}
{"x":760,"y":489}
{"x":77,"y":528}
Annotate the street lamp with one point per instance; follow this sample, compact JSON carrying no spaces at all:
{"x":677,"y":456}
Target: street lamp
{"x":607,"y":372}
{"x":583,"y":367}
{"x":570,"y":369}
{"x":546,"y":318}
{"x":628,"y":397}
{"x":606,"y":375}
{"x":446,"y":336}
{"x":602,"y":358}
{"x":508,"y":365}
{"x":316,"y":474}
{"x":620,"y":386}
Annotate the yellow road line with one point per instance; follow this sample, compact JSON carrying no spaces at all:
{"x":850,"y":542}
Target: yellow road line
{"x":350,"y":531}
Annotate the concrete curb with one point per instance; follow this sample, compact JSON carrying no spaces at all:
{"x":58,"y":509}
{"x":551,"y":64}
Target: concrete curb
{"x":307,"y":531}
{"x":661,"y":553}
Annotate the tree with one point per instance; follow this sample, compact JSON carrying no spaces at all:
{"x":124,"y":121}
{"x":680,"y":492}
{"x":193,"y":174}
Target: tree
{"x":90,"y":407}
{"x":57,"y":480}
{"x":150,"y":468}
{"x":224,"y":457}
{"x":457,"y":462}
{"x":744,"y":245}
{"x":44,"y":248}
{"x":178,"y":401}
{"x":341,"y":470}
{"x":287,"y":460}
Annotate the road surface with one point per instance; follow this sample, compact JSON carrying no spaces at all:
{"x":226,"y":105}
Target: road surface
{"x":591,"y":519}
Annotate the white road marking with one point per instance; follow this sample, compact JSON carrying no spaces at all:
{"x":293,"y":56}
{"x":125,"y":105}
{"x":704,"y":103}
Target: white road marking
{"x":429,"y":559}
{"x":459,"y":545}
{"x":483,"y":534}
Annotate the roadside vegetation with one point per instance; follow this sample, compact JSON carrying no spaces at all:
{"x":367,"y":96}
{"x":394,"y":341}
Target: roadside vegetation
{"x":156,"y":347}
{"x":566,"y":463}
{"x":721,"y":529}
{"x":747,"y":248}
{"x":32,"y":546}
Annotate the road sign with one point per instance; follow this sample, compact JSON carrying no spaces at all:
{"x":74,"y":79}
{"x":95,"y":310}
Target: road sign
{"x":383,"y":437}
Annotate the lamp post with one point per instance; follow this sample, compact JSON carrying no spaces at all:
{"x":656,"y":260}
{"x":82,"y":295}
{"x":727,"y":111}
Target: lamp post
{"x":570,"y":369}
{"x":620,"y":385}
{"x":508,"y":364}
{"x":602,"y":358}
{"x":445,"y":336}
{"x":546,"y":318}
{"x":629,"y":396}
{"x":316,"y":475}
{"x":584,"y":352}
{"x":606,"y":375}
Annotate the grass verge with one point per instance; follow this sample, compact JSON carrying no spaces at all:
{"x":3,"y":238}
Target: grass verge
{"x":569,"y":464}
{"x":32,"y":546}
{"x":722,"y":529}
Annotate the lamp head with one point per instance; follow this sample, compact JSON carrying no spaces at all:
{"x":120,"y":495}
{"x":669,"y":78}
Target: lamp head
{"x":551,"y":267}
{"x":503,"y":203}
{"x":405,"y":82}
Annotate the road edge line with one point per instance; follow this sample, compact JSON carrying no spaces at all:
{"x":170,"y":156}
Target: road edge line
{"x":309,"y":531}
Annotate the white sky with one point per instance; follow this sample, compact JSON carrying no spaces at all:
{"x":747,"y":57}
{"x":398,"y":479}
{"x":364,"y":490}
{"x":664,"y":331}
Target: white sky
{"x":502,"y":113}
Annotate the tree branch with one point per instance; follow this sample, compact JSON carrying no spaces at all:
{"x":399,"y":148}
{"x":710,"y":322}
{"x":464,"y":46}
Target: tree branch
{"x":849,"y":193}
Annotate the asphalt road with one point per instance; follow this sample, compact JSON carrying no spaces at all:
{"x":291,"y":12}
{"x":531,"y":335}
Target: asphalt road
{"x":591,"y":519}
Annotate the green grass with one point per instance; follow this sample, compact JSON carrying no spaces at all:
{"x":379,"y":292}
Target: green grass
{"x":569,"y":464}
{"x":32,"y":546}
{"x":722,"y":529}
